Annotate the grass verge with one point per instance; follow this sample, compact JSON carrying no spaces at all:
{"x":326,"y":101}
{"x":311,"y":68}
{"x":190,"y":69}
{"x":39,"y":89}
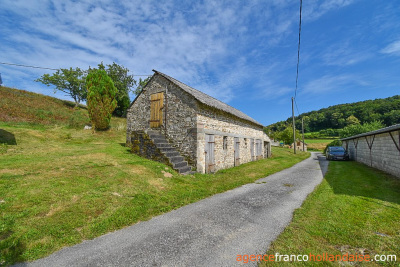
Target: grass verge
{"x":355,"y":210}
{"x":60,"y":186}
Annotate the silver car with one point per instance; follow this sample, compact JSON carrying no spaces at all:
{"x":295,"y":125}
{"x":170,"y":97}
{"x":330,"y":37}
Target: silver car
{"x":336,"y":153}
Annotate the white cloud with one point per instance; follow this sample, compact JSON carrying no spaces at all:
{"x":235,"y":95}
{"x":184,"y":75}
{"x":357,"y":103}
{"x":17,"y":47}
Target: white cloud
{"x":333,"y":83}
{"x":393,"y":48}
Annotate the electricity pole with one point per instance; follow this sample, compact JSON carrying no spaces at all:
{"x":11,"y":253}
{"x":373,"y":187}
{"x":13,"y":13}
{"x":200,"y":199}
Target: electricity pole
{"x":294,"y":128}
{"x":302,"y":131}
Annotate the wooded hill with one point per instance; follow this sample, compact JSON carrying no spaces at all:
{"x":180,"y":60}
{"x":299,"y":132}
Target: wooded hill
{"x":386,"y":110}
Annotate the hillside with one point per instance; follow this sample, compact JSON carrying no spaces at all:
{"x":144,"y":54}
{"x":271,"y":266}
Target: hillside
{"x":386,"y":110}
{"x":28,"y":107}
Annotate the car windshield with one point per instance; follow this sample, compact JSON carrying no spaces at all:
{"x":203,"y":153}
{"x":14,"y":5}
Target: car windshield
{"x":337,"y":149}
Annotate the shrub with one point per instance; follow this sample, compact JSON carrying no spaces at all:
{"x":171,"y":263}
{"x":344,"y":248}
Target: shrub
{"x":100,"y":99}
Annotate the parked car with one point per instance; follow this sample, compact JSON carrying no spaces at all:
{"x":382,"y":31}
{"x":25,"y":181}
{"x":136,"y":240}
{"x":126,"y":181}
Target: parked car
{"x":336,"y":153}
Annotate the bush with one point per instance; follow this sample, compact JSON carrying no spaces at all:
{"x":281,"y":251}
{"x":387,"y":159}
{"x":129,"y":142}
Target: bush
{"x":100,"y":99}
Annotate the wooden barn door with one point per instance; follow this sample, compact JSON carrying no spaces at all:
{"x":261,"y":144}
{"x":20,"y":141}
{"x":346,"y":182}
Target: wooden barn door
{"x":209,"y":151}
{"x":156,"y":114}
{"x":237,"y":151}
{"x":252,"y":148}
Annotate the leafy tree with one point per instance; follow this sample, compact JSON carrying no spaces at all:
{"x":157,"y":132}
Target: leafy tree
{"x":142,"y":84}
{"x":101,"y":100}
{"x":70,"y":81}
{"x":287,"y":135}
{"x":355,"y":129}
{"x":124,"y":84}
{"x":352,"y":120}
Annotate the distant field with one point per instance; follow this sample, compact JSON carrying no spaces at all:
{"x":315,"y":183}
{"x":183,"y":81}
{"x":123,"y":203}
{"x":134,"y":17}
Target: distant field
{"x":317,"y":144}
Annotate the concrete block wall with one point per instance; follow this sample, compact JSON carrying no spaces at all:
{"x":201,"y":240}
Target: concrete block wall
{"x":383,"y":155}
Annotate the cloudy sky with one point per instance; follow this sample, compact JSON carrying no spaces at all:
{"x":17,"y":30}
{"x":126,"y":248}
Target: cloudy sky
{"x":241,"y":52}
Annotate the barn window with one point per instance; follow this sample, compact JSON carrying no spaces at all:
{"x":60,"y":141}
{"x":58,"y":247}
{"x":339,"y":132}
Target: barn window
{"x":225,"y":143}
{"x":245,"y":143}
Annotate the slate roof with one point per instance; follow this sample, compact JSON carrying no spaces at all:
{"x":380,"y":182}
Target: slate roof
{"x":208,"y":100}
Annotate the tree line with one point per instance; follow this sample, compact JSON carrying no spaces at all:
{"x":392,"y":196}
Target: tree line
{"x":345,"y":119}
{"x":72,"y":81}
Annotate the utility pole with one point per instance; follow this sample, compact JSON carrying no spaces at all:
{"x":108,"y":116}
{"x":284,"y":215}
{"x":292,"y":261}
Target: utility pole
{"x":294,"y":128}
{"x":302,"y":131}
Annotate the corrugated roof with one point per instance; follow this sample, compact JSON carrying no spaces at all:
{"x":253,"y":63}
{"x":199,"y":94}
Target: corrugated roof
{"x":208,"y":100}
{"x":383,"y":130}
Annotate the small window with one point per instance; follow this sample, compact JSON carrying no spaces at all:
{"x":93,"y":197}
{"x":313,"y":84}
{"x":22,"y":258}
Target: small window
{"x":225,"y":143}
{"x":245,"y":143}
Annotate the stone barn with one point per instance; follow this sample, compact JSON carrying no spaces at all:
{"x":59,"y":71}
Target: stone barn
{"x":180,"y":126}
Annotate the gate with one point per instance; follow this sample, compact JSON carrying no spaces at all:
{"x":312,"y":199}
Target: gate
{"x":237,"y":151}
{"x":156,"y":114}
{"x":209,"y":153}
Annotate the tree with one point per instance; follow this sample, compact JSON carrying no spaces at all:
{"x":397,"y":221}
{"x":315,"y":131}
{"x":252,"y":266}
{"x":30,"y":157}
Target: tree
{"x":70,"y":81}
{"x":142,"y":84}
{"x":101,"y":100}
{"x":287,"y":135}
{"x":355,"y":129}
{"x":124,"y":84}
{"x":352,"y":120}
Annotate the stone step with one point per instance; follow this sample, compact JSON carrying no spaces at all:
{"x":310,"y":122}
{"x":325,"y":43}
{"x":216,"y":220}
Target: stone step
{"x":160,"y":141}
{"x":180,"y":164}
{"x":156,"y":136}
{"x":167,"y":149}
{"x":171,"y":154}
{"x":184,"y":169}
{"x":160,"y":145}
{"x":176,"y":159}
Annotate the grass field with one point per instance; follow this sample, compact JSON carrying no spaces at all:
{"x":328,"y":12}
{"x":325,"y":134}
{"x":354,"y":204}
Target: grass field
{"x":61,"y":185}
{"x":317,"y":144}
{"x":355,"y":210}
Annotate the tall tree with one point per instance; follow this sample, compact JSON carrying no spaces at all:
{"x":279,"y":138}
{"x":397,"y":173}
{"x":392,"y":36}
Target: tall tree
{"x":70,"y":81}
{"x":101,"y":100}
{"x":142,"y":84}
{"x":124,"y":84}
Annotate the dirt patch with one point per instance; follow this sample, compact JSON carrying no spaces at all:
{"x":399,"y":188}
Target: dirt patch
{"x":158,"y":183}
{"x":167,"y":174}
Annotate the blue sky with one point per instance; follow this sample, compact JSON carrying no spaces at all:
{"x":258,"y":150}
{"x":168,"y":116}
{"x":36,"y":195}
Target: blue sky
{"x":241,"y":52}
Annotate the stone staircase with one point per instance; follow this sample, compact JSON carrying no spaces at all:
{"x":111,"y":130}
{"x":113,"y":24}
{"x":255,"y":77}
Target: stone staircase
{"x":174,"y":157}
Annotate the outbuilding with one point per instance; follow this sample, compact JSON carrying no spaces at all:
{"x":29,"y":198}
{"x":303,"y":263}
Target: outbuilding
{"x":174,"y":123}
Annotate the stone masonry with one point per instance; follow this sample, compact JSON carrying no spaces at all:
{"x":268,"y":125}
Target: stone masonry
{"x":189,"y":117}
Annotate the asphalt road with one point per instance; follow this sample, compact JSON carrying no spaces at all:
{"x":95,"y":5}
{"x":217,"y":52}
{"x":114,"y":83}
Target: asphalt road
{"x":211,"y":232}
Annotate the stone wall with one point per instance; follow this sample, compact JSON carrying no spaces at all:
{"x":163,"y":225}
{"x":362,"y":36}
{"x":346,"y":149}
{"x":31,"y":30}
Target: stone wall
{"x":383,"y":154}
{"x":223,"y":125}
{"x":179,"y":124}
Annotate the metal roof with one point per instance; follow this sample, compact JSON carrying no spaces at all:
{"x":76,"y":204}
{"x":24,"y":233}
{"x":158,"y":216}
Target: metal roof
{"x":208,"y":100}
{"x":383,"y":130}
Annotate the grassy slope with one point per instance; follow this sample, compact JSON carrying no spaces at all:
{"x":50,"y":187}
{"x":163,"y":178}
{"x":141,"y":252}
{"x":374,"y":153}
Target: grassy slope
{"x":60,"y":185}
{"x":356,"y":209}
{"x":27,"y":107}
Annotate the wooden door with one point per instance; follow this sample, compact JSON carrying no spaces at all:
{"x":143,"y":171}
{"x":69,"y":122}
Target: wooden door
{"x":237,"y":151}
{"x":156,"y":113}
{"x":209,"y":153}
{"x":252,"y":148}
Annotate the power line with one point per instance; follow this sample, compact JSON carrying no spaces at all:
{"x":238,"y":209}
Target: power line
{"x":26,"y":66}
{"x":44,"y":68}
{"x":298,"y":51}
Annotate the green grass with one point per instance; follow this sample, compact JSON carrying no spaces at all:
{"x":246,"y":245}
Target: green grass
{"x":60,"y":186}
{"x":356,"y":209}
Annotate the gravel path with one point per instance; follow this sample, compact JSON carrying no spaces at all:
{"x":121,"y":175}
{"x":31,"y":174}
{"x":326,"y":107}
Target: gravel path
{"x":211,"y":232}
